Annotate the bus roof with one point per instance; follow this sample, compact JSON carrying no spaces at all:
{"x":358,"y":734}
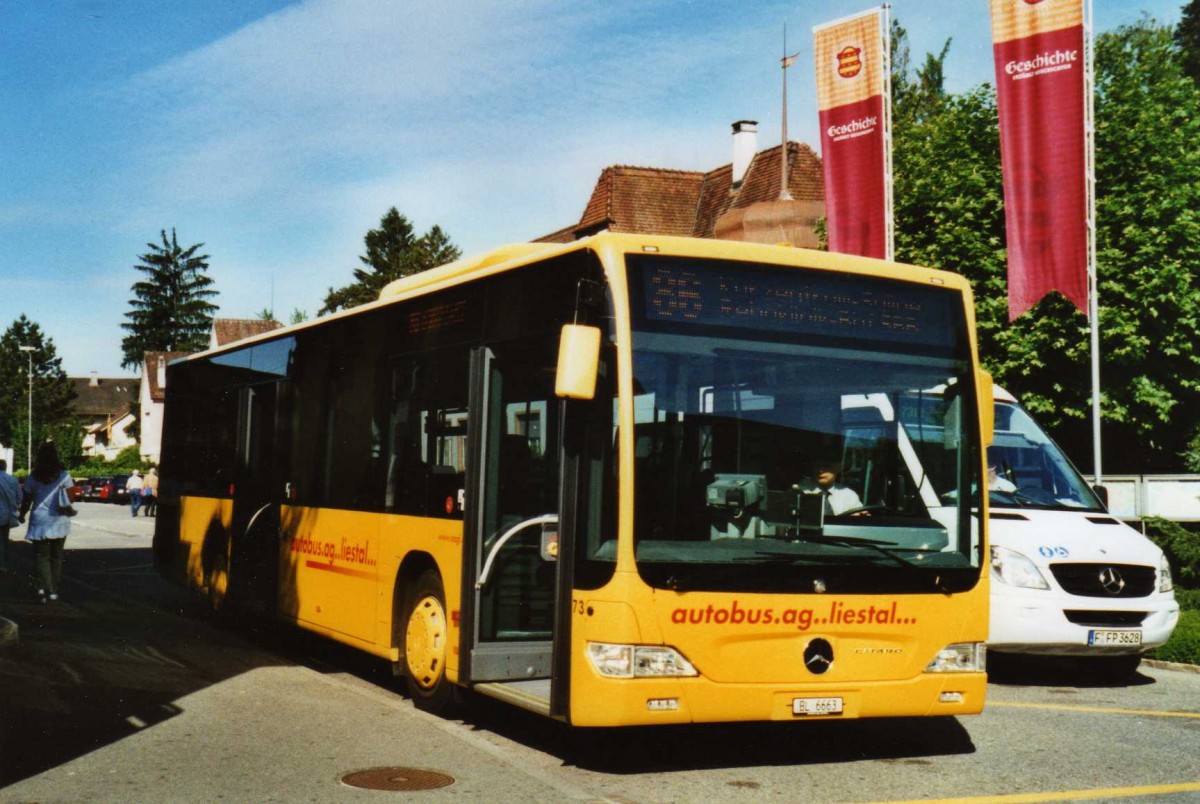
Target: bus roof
{"x":515,"y":254}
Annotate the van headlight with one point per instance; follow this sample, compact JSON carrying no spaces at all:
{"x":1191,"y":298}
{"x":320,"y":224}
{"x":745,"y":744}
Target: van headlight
{"x":962,"y":657}
{"x":1165,"y":584}
{"x":1014,"y":569}
{"x":638,"y":661}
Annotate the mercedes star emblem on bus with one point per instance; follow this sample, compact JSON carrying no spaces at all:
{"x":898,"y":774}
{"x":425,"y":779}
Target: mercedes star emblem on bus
{"x":818,"y":656}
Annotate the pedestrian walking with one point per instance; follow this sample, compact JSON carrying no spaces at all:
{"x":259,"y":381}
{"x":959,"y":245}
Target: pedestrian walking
{"x":134,"y":487}
{"x":150,"y":493}
{"x":10,"y":504}
{"x":47,"y":496}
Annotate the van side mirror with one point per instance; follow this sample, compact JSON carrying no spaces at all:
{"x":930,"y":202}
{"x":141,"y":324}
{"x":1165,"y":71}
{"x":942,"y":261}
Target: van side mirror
{"x":1102,"y":493}
{"x":987,"y":405}
{"x":578,"y":362}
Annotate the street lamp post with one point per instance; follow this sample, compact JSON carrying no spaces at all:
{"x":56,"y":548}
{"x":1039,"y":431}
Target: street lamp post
{"x":29,"y":350}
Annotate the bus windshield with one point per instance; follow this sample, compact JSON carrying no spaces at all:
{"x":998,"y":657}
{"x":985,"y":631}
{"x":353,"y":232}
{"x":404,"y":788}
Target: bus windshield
{"x":782,"y":436}
{"x":1026,"y":469}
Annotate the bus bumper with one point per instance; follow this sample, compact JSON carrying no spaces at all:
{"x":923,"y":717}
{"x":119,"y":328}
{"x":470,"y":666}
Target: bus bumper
{"x":632,"y":702}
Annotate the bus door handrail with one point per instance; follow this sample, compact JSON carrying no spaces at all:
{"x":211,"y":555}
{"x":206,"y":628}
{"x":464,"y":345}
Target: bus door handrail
{"x":544,"y":519}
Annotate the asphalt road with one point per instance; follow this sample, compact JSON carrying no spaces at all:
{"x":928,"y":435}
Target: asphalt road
{"x":127,"y":690}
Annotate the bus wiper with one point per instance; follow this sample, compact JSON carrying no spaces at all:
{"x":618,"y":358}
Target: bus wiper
{"x":877,"y":545}
{"x":773,"y":556}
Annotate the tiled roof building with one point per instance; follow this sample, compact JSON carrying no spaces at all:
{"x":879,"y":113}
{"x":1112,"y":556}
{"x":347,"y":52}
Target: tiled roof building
{"x":104,"y":407}
{"x":228,"y":330}
{"x":98,"y":397}
{"x":738,"y":201}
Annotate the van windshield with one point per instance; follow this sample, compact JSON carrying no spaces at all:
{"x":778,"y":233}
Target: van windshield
{"x":1027,"y":469}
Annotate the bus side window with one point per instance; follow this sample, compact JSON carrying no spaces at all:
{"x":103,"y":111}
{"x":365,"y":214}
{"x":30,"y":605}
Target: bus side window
{"x":406,"y":471}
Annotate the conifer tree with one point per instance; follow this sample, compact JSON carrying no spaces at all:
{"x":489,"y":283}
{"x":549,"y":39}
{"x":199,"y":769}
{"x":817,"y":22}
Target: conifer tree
{"x":171,"y":311}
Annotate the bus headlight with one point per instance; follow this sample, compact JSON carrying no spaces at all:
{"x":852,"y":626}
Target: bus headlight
{"x":963,"y":657}
{"x":638,"y":661}
{"x":1014,"y":569}
{"x":1165,"y":584}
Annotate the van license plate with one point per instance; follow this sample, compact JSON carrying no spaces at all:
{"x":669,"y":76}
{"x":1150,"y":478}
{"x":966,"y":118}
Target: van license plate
{"x":816,"y":706}
{"x":1114,"y":637}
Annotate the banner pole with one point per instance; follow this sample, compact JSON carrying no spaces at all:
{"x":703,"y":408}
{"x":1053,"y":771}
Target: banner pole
{"x":889,"y":209}
{"x":1089,"y":129}
{"x":784,"y":193}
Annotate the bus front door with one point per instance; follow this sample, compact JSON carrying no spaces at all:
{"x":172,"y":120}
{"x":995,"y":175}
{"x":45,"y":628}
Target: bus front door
{"x":510,"y":587}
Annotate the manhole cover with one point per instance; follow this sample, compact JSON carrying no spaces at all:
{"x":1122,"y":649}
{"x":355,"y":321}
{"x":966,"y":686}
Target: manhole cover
{"x":397,"y":779}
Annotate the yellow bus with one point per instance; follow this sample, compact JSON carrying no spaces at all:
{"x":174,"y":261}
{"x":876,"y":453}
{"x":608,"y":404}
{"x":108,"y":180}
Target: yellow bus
{"x":585,"y":479}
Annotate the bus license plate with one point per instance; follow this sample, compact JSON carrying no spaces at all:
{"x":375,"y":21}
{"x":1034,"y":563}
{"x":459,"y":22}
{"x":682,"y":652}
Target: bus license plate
{"x":816,"y":706}
{"x":1114,"y":637}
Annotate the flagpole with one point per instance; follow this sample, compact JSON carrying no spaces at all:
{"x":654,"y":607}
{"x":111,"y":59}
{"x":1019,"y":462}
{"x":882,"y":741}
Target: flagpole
{"x":785,"y":193}
{"x":1089,"y":133}
{"x":888,"y":207}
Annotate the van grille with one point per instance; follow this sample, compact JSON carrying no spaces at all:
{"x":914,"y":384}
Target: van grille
{"x":1102,"y":619}
{"x":1089,"y":580}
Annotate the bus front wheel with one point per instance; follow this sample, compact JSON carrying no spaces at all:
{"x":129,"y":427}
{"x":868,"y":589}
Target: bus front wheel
{"x":426,"y":636}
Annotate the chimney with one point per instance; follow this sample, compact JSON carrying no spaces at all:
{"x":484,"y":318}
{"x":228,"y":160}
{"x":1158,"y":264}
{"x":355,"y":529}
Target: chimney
{"x":161,"y":372}
{"x":745,"y":145}
{"x":94,"y":382}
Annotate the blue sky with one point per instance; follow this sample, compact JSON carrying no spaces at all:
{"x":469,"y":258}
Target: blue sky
{"x":277,"y":133}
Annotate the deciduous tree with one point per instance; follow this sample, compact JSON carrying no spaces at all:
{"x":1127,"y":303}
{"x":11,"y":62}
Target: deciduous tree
{"x":52,"y":392}
{"x":949,"y":214}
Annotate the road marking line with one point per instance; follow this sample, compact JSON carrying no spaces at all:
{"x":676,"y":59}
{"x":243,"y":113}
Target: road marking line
{"x":1065,"y":795}
{"x":1098,"y":709}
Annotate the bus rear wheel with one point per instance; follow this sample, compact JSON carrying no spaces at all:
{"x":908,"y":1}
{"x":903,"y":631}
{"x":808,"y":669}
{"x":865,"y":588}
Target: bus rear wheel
{"x":426,"y":637}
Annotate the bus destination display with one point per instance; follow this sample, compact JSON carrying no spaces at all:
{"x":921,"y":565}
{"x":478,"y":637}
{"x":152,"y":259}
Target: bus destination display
{"x":803,"y":302}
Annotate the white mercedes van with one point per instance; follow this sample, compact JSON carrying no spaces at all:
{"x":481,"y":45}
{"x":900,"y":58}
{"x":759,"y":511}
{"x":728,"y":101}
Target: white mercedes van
{"x":1068,"y":579}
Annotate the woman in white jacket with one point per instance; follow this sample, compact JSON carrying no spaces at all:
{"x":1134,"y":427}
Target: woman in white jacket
{"x":47,"y":495}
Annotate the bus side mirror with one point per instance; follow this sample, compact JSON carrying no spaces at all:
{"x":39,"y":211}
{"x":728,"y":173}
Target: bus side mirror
{"x":578,"y":362}
{"x":987,"y":406}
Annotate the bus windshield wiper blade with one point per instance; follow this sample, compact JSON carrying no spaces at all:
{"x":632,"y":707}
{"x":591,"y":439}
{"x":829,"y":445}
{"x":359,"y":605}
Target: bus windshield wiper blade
{"x":773,"y":556}
{"x":878,"y":546}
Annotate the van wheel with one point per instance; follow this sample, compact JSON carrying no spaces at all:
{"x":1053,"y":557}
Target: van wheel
{"x":426,"y":639}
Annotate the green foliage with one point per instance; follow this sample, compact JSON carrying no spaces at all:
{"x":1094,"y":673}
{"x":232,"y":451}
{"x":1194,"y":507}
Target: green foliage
{"x":393,"y":251}
{"x":1182,"y":546}
{"x":1188,"y":599}
{"x":1191,"y":452}
{"x":171,"y":308}
{"x":949,"y":214}
{"x":51,"y":392}
{"x":1187,"y":39}
{"x":126,"y":461}
{"x":1184,"y":644}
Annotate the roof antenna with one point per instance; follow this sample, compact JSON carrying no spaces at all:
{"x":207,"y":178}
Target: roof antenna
{"x":784,"y":179}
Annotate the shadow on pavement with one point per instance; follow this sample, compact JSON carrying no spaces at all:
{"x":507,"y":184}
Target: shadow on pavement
{"x":1062,"y":671}
{"x":691,"y":747}
{"x":94,"y":668}
{"x":114,"y":657}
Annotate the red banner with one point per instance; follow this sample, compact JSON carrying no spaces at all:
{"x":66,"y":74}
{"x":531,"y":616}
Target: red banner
{"x":851,"y":70}
{"x":1040,"y":80}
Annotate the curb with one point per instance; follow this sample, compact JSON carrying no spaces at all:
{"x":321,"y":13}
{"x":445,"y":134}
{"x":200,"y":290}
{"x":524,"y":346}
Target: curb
{"x":8,"y":633}
{"x":1178,"y":667}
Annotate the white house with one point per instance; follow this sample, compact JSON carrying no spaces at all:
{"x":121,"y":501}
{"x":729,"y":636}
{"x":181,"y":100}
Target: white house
{"x":104,"y":408}
{"x":153,"y":392}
